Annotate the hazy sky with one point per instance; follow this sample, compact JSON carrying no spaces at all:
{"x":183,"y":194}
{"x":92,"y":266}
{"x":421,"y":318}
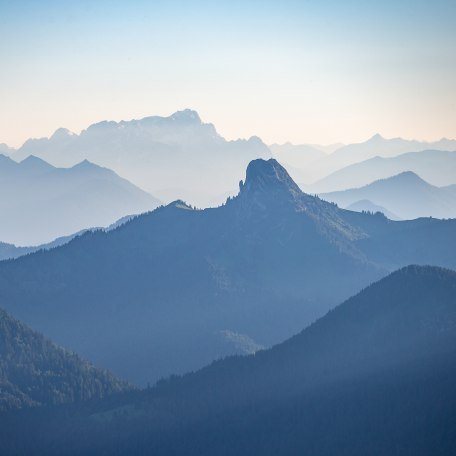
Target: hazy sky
{"x":304,"y":71}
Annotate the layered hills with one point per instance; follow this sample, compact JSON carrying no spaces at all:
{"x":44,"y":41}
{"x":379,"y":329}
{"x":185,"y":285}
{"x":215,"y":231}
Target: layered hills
{"x":163,"y":155}
{"x":41,"y":202}
{"x":374,"y":375}
{"x":165,"y":292}
{"x":405,"y":195}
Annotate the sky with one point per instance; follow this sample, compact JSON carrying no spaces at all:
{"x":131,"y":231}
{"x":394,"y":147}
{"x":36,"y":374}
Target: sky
{"x":301,"y":71}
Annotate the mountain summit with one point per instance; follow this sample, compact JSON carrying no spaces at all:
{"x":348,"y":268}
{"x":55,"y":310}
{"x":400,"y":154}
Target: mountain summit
{"x":269,"y":187}
{"x":187,"y":115}
{"x":268,"y":176}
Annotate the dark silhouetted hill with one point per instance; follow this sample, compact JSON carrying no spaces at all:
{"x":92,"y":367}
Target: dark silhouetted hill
{"x":374,"y":376}
{"x":34,"y":371}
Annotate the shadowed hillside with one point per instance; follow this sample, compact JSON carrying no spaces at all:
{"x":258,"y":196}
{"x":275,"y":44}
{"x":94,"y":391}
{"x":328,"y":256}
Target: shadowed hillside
{"x":375,"y":374}
{"x":34,"y":371}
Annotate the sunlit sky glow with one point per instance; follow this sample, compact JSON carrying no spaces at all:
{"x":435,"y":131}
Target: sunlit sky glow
{"x":300,"y":71}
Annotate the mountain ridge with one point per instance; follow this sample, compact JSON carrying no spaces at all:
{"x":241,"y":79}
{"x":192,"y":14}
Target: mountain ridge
{"x":163,"y":155}
{"x":406,"y":195}
{"x":171,"y":280}
{"x":34,"y":371}
{"x":368,"y":206}
{"x":434,"y":166}
{"x":43,"y":202}
{"x":317,"y":172}
{"x":375,"y":373}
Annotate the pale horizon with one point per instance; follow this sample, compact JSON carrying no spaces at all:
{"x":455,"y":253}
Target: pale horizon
{"x":299,"y":72}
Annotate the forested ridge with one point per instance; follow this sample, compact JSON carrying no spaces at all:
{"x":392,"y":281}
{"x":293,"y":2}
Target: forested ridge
{"x":374,"y":376}
{"x":34,"y":371}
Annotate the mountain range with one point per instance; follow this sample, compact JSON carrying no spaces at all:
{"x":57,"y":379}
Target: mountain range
{"x":434,"y":166}
{"x":375,"y":147}
{"x":373,"y":376}
{"x":163,"y":155}
{"x":406,"y":195}
{"x":166,"y":156}
{"x":42,"y":203}
{"x":174,"y":289}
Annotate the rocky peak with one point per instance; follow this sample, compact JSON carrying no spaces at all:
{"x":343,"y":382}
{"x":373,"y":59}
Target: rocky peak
{"x":269,"y":177}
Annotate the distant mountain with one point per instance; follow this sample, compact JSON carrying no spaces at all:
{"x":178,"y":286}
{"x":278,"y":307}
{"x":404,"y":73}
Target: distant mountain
{"x":435,"y":166}
{"x":153,"y":297}
{"x":41,"y":202}
{"x":406,"y":194}
{"x":374,"y":376}
{"x":34,"y":371}
{"x":164,"y":155}
{"x":377,"y":146}
{"x":368,"y":206}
